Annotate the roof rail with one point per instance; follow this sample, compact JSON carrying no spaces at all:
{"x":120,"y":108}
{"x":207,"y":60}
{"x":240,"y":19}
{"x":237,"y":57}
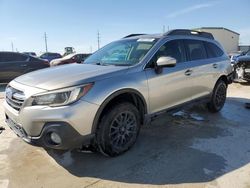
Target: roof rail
{"x":133,"y":35}
{"x":190,"y":33}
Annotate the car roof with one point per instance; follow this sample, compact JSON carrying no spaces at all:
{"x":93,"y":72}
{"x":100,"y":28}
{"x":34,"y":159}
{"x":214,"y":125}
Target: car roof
{"x":180,"y":33}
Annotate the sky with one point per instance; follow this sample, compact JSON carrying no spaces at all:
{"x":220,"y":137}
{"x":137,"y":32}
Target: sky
{"x":76,"y":22}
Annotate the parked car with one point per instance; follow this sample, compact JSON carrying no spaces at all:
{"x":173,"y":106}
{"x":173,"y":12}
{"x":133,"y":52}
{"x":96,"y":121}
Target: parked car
{"x":68,"y":59}
{"x":103,"y":102}
{"x":50,"y":56}
{"x":233,"y":56}
{"x":13,"y":64}
{"x":30,"y":53}
{"x":242,"y":67}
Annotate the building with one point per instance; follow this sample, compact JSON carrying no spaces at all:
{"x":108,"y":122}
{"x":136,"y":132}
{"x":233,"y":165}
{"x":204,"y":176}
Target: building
{"x":244,"y":48}
{"x":227,"y":38}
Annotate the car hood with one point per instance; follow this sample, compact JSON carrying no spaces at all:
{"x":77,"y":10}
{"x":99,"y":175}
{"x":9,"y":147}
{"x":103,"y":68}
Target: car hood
{"x":69,"y":75}
{"x":243,"y":58}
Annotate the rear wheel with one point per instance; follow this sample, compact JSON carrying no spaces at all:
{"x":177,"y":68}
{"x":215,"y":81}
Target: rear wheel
{"x":218,"y":97}
{"x":118,"y":129}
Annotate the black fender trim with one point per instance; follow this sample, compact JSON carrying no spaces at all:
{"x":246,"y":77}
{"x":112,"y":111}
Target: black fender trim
{"x":109,"y":98}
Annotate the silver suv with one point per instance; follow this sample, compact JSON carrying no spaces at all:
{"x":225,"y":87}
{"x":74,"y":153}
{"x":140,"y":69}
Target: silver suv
{"x":103,"y":102}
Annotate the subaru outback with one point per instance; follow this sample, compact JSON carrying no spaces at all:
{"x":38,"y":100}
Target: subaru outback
{"x":104,"y":102}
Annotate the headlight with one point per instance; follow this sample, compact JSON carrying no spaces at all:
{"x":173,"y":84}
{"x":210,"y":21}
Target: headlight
{"x":61,"y":97}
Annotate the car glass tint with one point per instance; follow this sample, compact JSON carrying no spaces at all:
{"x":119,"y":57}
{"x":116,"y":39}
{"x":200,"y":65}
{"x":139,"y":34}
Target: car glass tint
{"x":213,"y":50}
{"x":13,"y":57}
{"x":2,"y":57}
{"x":172,"y":49}
{"x":122,"y":53}
{"x":6,"y":57}
{"x":195,"y":49}
{"x":19,"y":57}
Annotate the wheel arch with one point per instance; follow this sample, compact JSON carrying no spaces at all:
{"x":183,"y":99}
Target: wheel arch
{"x":223,"y":78}
{"x":123,"y":95}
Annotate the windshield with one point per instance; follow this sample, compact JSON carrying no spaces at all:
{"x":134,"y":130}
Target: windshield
{"x":248,"y":53}
{"x":122,"y":53}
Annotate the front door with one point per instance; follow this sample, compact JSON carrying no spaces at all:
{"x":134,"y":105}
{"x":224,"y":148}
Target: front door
{"x":174,"y":85}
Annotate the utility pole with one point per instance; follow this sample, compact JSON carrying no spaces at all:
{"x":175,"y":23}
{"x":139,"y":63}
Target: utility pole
{"x":164,"y":28}
{"x":98,"y":39}
{"x":12,"y":46}
{"x":45,"y":39}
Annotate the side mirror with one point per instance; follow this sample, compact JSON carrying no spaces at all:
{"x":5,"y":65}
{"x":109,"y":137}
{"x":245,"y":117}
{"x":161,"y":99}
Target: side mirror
{"x":164,"y":62}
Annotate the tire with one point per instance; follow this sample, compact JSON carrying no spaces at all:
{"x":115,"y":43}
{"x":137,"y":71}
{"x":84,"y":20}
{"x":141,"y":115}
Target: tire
{"x":218,"y":97}
{"x":118,"y":129}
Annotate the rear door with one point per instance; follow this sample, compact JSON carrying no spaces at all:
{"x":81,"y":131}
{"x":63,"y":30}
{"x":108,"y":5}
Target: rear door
{"x":202,"y":68}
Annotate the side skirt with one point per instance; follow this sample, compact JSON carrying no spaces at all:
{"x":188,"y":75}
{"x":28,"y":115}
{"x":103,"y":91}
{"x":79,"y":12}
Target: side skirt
{"x":150,"y":117}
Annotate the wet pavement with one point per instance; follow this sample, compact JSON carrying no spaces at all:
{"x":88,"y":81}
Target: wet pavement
{"x":191,"y":148}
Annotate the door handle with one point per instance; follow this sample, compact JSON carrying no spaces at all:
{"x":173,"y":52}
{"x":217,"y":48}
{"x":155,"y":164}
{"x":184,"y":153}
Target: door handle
{"x":215,"y":65}
{"x":25,"y":65}
{"x":188,"y":72}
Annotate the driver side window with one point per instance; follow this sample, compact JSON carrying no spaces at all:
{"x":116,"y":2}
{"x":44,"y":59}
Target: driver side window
{"x":174,"y":49}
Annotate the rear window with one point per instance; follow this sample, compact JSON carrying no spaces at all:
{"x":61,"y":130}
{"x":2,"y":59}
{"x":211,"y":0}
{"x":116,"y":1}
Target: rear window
{"x":195,"y":49}
{"x":213,"y":50}
{"x":19,"y":57}
{"x":54,"y":55}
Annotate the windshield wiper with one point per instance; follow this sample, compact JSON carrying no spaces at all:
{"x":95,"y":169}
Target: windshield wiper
{"x":124,"y":64}
{"x":101,"y":63}
{"x":113,"y":64}
{"x":98,"y":63}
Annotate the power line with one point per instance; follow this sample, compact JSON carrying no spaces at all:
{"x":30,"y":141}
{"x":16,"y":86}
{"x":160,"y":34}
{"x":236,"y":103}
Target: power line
{"x":12,"y":46}
{"x":45,"y":40}
{"x":164,"y":28}
{"x":98,"y":39}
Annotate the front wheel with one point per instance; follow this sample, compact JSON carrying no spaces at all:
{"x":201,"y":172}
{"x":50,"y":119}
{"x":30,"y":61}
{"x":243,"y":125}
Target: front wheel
{"x":218,"y":97}
{"x":118,"y":129}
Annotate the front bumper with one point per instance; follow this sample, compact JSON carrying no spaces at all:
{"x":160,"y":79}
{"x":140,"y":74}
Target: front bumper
{"x":34,"y":123}
{"x":70,"y":137}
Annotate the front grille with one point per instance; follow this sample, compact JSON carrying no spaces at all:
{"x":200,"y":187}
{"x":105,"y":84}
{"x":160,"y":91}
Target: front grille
{"x":15,"y":98}
{"x":247,"y":65}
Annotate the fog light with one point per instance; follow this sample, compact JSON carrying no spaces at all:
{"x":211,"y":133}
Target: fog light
{"x":55,"y":138}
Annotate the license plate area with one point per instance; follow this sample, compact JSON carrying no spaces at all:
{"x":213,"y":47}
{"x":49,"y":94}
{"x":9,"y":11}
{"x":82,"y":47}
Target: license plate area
{"x":18,"y":130}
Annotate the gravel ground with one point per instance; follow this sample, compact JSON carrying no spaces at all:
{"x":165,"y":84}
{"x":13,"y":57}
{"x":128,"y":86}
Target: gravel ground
{"x":191,"y":148}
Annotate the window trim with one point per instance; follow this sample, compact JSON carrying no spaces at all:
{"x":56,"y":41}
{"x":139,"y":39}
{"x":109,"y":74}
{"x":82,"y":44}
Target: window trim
{"x":183,"y":46}
{"x":206,"y":47}
{"x":187,"y":50}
